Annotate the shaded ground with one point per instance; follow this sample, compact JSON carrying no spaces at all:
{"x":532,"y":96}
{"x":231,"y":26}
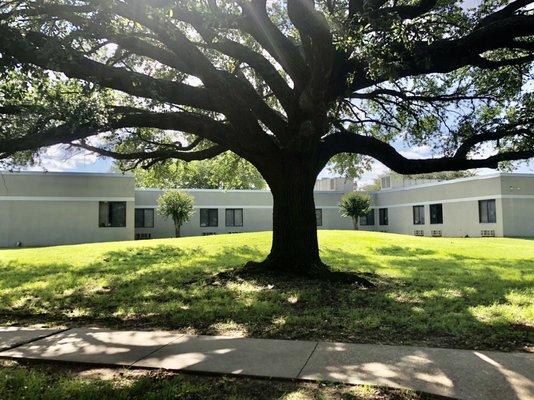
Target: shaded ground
{"x":463,"y":293}
{"x":53,"y":381}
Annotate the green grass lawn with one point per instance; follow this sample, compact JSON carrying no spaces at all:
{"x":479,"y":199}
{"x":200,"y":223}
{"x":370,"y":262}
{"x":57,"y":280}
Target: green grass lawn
{"x":35,"y":381}
{"x":464,"y":293}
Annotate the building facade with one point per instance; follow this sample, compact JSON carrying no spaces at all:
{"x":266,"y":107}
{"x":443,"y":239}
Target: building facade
{"x":334,"y":185}
{"x":228,"y":211}
{"x":40,"y":209}
{"x":488,"y":205}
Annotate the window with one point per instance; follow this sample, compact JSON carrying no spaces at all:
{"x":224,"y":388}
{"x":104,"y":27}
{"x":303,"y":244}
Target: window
{"x":209,"y":217}
{"x":383,"y":216}
{"x":112,"y":214}
{"x":436,"y":213}
{"x":368,"y":219}
{"x":144,"y":218}
{"x":234,"y":217}
{"x":386,"y":182}
{"x":419,"y":215}
{"x":487,"y":212}
{"x":319,"y":216}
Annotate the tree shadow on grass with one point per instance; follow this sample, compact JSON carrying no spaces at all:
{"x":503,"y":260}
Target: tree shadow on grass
{"x":440,"y":301}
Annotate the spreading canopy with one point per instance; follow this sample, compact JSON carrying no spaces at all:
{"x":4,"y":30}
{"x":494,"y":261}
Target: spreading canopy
{"x":143,"y":81}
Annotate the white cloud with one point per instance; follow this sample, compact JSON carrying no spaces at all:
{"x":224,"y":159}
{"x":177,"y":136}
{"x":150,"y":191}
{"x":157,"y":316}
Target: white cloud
{"x":417,"y":152}
{"x":368,"y":178}
{"x":58,"y":158}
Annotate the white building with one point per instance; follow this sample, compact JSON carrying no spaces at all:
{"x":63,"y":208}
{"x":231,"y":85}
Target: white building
{"x":500,"y":204}
{"x":335,"y":184}
{"x":228,"y":211}
{"x":38,"y":209}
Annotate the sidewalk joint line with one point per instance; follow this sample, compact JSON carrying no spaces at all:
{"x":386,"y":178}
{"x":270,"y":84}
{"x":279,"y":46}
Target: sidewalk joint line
{"x":158,"y":349}
{"x":308,"y":359}
{"x":16,"y":345}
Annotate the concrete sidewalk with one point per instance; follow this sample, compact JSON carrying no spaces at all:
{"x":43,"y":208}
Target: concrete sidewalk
{"x":462,"y":374}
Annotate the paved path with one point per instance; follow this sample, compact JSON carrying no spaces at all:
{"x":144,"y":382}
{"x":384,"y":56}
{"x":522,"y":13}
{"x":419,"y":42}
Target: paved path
{"x":13,"y":336}
{"x":462,"y":374}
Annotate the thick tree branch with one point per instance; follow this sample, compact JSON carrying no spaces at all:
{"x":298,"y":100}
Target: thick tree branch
{"x":184,"y":56}
{"x":159,"y":155}
{"x":262,"y":66}
{"x":319,"y":49}
{"x":446,"y":55}
{"x":49,"y":53}
{"x":523,"y":127}
{"x":201,"y":23}
{"x":406,"y":96}
{"x":257,"y":23}
{"x":346,"y":142}
{"x":199,"y":125}
{"x":505,"y":12}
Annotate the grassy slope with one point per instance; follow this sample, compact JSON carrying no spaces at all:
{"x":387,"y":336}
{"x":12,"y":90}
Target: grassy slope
{"x":467,"y":293}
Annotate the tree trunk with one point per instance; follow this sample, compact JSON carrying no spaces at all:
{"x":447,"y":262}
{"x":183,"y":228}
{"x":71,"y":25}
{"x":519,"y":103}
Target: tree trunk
{"x":176,"y":229}
{"x":295,"y":248}
{"x":355,"y":222}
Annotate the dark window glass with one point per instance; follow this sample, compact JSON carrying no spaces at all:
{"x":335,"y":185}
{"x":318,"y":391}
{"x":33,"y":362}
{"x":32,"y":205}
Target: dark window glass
{"x":209,"y":217}
{"x":383,"y":216}
{"x":487,"y":212}
{"x":144,"y":218}
{"x":419,"y":215}
{"x":139,"y":218}
{"x":368,"y":219}
{"x":436,"y":213}
{"x":112,"y":214}
{"x":319,"y":216}
{"x":234,"y":217}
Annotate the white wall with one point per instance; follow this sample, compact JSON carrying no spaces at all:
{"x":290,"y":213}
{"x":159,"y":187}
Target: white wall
{"x":256,"y":205}
{"x":40,"y":209}
{"x":514,"y":200}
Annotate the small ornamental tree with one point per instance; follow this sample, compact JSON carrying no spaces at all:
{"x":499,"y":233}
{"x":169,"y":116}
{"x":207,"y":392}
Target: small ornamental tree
{"x":355,"y":205}
{"x":178,"y":206}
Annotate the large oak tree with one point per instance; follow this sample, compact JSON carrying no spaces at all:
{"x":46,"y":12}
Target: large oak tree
{"x":287,"y":85}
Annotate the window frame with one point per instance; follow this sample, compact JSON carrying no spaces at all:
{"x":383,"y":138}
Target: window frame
{"x":144,"y":210}
{"x":233,"y":210}
{"x":319,"y":217}
{"x":209,"y":211}
{"x":421,"y":220}
{"x":383,"y":216}
{"x":481,"y":209}
{"x":439,"y":220}
{"x":109,"y":214}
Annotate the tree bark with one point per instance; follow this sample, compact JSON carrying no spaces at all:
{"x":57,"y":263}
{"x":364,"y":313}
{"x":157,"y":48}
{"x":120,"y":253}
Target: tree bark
{"x":176,"y":230}
{"x":295,"y":246}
